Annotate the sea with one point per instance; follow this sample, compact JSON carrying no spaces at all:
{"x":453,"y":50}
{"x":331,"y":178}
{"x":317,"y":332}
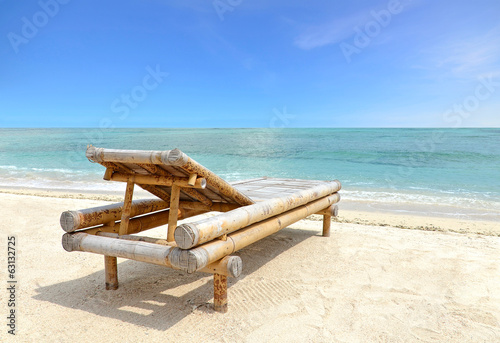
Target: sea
{"x":435,"y":172}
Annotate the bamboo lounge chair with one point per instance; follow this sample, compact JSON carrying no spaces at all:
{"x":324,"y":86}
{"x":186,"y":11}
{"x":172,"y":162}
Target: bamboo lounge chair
{"x":251,"y":210}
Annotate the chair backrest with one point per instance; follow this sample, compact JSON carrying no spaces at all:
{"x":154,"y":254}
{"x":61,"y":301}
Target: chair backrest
{"x":144,"y":167}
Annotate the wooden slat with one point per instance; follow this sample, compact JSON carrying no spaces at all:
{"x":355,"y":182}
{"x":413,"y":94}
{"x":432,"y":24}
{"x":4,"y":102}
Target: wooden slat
{"x":156,"y":191}
{"x":194,"y":193}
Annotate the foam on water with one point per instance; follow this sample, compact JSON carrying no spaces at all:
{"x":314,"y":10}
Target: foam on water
{"x":460,"y":171}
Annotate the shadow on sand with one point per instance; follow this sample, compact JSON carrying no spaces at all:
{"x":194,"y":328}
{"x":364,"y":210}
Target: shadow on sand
{"x":148,"y":292}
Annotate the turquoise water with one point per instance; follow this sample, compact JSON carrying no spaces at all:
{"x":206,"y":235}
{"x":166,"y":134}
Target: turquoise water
{"x":456,"y":167}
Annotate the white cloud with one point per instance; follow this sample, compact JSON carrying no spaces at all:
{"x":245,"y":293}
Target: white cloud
{"x":330,"y":33}
{"x":344,"y":27}
{"x":466,"y":57}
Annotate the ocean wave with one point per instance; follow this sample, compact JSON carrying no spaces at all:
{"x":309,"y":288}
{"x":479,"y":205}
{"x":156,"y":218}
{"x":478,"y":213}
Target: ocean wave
{"x":60,"y":185}
{"x":43,"y":170}
{"x":465,"y":200}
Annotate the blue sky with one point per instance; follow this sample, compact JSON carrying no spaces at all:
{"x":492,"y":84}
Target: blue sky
{"x":242,"y":63}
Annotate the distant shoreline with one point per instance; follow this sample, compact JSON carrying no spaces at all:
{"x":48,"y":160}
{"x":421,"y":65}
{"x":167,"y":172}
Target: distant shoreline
{"x":349,"y":212}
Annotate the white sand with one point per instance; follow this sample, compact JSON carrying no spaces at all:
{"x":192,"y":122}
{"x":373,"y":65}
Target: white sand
{"x":363,"y":284}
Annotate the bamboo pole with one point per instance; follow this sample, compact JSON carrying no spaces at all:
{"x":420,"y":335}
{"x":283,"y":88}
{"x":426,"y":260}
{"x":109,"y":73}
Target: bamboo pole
{"x":108,"y":173}
{"x":174,"y":207}
{"x":160,"y":193}
{"x":138,"y":248}
{"x":192,"y":234}
{"x":179,"y":159}
{"x":135,"y":238}
{"x":111,"y":272}
{"x":158,"y":180}
{"x":327,"y":219}
{"x":127,"y":206}
{"x":330,"y":211}
{"x":152,"y":168}
{"x":220,"y":293}
{"x":123,"y":248}
{"x":197,"y":258}
{"x":124,"y":156}
{"x":327,"y":222}
{"x":144,"y":222}
{"x":192,"y":179}
{"x":198,"y":196}
{"x":216,"y":206}
{"x":75,"y":220}
{"x":228,"y":266}
{"x":169,"y":157}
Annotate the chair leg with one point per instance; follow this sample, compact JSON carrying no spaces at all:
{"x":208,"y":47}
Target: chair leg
{"x":111,"y":271}
{"x":220,"y":293}
{"x":327,"y":222}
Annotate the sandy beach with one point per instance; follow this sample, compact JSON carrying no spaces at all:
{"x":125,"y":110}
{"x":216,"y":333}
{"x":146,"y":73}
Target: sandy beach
{"x":381,"y":116}
{"x":366,"y":283}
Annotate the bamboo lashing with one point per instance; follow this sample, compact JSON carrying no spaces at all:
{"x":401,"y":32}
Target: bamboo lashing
{"x":197,"y":258}
{"x":192,"y":234}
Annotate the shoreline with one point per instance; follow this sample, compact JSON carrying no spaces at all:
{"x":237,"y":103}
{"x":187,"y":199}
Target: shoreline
{"x":350,"y":212}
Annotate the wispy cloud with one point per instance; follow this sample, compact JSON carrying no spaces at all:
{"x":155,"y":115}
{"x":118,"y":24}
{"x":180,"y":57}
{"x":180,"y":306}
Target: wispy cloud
{"x":329,"y":33}
{"x":466,"y":57}
{"x":341,"y":28}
